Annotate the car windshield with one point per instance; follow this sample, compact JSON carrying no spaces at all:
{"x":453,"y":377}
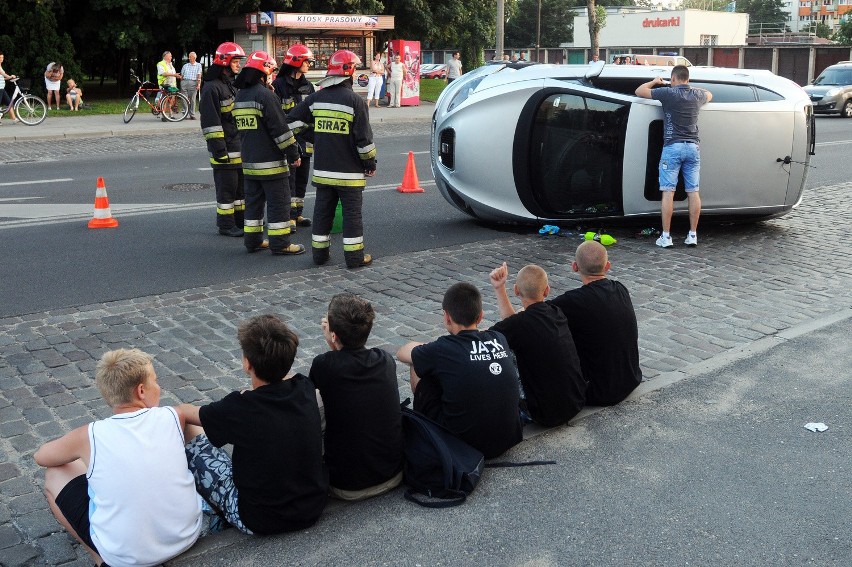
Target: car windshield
{"x":835,"y":77}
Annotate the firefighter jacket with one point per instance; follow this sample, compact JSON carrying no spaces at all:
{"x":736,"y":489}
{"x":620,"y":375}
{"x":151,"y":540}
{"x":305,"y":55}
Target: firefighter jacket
{"x":267,"y":142}
{"x":217,"y":123}
{"x":292,"y":91}
{"x":343,"y":139}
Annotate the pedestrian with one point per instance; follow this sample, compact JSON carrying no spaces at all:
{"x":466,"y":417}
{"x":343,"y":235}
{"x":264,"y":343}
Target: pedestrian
{"x":466,"y":380}
{"x":166,"y":77}
{"x":523,"y":57}
{"x":73,"y":96}
{"x":190,"y":84}
{"x":595,"y":58}
{"x":5,"y":101}
{"x":603,"y":325}
{"x":274,"y":480}
{"x":292,"y":86}
{"x":454,"y":67}
{"x":52,"y":78}
{"x":374,"y":83}
{"x":681,"y":151}
{"x":398,"y":72}
{"x":268,"y":150}
{"x":344,"y":157}
{"x":223,"y":139}
{"x":120,"y":485}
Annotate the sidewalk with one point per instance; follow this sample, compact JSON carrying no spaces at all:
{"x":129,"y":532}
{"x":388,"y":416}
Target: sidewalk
{"x":144,"y":123}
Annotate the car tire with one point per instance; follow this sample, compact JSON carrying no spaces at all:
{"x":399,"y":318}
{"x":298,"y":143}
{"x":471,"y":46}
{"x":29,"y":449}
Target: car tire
{"x":846,"y":111}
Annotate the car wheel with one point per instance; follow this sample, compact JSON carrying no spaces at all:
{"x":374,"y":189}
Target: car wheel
{"x":847,"y":109}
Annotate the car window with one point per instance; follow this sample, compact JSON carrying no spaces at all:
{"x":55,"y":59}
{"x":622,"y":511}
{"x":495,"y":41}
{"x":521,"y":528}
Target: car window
{"x":765,"y":95}
{"x":727,"y":92}
{"x":835,"y":76}
{"x":576,"y":154}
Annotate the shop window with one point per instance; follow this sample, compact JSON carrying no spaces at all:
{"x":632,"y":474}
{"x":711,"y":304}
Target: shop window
{"x":709,"y":39}
{"x":322,"y":47}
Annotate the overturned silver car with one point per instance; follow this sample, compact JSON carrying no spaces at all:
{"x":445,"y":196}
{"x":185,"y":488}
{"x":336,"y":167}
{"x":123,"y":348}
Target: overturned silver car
{"x":547,"y":143}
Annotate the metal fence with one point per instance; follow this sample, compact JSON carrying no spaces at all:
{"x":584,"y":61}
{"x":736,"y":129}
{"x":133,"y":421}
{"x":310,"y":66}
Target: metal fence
{"x":798,"y":63}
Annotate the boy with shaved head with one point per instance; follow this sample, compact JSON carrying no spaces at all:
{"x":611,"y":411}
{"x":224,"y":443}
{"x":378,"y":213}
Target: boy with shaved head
{"x":553,"y":384}
{"x":603,"y":324}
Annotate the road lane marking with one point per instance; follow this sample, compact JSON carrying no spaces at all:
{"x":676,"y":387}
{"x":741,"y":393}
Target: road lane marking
{"x":30,"y":215}
{"x":837,"y":143}
{"x":20,"y":198}
{"x":416,"y":153}
{"x":10,"y":183}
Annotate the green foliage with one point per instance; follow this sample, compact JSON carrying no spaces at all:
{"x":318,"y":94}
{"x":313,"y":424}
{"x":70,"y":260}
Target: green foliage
{"x":843,"y":35}
{"x":820,"y":29}
{"x":430,"y":89}
{"x":767,"y":12}
{"x":557,"y":23}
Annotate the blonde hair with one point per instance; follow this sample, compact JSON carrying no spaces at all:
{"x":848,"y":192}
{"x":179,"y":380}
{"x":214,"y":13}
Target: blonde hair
{"x":531,"y":282}
{"x":591,"y":258}
{"x":119,"y":372}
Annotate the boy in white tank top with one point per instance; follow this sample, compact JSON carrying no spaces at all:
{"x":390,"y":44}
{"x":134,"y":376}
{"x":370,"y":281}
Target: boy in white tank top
{"x":140,"y":446}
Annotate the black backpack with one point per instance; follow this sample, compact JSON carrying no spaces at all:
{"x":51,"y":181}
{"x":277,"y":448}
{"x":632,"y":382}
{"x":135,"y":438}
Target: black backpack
{"x":437,"y":463}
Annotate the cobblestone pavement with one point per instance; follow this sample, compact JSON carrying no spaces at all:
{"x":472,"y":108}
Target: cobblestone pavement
{"x":743,"y":283}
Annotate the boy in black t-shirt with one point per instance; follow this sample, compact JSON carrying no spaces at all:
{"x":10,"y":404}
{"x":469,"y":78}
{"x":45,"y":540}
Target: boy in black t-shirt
{"x":603,"y":324}
{"x":363,"y":432}
{"x":539,"y":336}
{"x":276,"y":481}
{"x":465,"y":380}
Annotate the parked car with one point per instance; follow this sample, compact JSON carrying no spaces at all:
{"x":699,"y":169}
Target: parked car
{"x":831,"y":92}
{"x":541,"y":144}
{"x":433,"y":71}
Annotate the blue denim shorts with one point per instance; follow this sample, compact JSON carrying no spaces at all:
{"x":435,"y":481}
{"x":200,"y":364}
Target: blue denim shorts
{"x":680,"y":156}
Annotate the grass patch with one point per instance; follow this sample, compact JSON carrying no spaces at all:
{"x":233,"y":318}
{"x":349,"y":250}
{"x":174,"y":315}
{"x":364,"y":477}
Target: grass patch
{"x":430,"y":89}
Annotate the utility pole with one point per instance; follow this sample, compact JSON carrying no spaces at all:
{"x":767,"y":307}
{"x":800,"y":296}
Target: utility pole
{"x":501,"y":22}
{"x":538,"y":32}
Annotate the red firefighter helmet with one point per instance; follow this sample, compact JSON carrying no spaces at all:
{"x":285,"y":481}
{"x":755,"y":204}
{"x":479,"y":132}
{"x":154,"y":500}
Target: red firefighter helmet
{"x":298,"y":54}
{"x":262,"y":61}
{"x":227,"y":51}
{"x":342,"y":63}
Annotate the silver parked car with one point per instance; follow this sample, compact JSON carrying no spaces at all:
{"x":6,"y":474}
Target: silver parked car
{"x":831,"y":92}
{"x":546,"y":143}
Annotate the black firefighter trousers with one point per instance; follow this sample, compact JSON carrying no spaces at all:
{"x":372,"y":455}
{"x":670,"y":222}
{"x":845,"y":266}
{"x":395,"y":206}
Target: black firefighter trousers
{"x":274,"y":195}
{"x":351,"y":199}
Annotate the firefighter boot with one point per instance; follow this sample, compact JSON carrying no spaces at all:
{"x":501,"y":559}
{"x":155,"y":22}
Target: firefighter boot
{"x":357,"y":259}
{"x":321,"y":255}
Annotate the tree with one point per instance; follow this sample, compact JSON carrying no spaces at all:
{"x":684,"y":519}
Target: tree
{"x":843,"y":35}
{"x":820,"y":29}
{"x":35,"y":40}
{"x":597,"y":22}
{"x":557,"y":23}
{"x":769,"y":15}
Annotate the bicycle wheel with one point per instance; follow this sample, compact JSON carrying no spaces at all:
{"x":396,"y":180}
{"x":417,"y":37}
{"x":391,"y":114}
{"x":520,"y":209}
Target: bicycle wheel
{"x":131,"y":109}
{"x":30,"y":109}
{"x":175,"y":107}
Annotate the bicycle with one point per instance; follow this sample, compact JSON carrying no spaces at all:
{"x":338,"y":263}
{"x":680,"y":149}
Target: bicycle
{"x":173,"y":106}
{"x":30,"y":109}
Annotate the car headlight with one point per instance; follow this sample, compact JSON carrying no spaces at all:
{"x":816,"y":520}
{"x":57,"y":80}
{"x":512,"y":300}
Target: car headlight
{"x":833,"y":92}
{"x":464,"y":92}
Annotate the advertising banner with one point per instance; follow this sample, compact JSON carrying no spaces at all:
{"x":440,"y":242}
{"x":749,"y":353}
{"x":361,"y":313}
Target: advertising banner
{"x":409,"y":52}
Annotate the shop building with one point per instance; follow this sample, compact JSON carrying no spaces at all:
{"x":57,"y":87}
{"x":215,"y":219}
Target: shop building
{"x":324,"y":34}
{"x":643,"y":27}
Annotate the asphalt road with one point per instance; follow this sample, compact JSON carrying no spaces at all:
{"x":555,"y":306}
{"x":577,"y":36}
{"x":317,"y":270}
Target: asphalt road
{"x":167,"y":240}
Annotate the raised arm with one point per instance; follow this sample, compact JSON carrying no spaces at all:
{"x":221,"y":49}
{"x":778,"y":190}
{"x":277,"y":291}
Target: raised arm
{"x":644,"y":90}
{"x":498,"y":278}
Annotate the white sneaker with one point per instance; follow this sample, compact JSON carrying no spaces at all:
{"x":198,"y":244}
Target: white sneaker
{"x":665,"y":241}
{"x":691,"y":240}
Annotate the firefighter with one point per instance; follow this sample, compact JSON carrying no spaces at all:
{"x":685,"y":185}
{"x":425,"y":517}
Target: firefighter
{"x":267,"y":146}
{"x":292,"y":86}
{"x":223,"y":140}
{"x":344,"y":156}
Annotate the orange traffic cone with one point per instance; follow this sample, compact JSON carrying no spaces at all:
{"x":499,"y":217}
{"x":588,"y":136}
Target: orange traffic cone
{"x":103,"y":216}
{"x":410,"y":184}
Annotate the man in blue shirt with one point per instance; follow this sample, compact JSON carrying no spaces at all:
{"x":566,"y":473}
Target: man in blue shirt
{"x":681,"y":104}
